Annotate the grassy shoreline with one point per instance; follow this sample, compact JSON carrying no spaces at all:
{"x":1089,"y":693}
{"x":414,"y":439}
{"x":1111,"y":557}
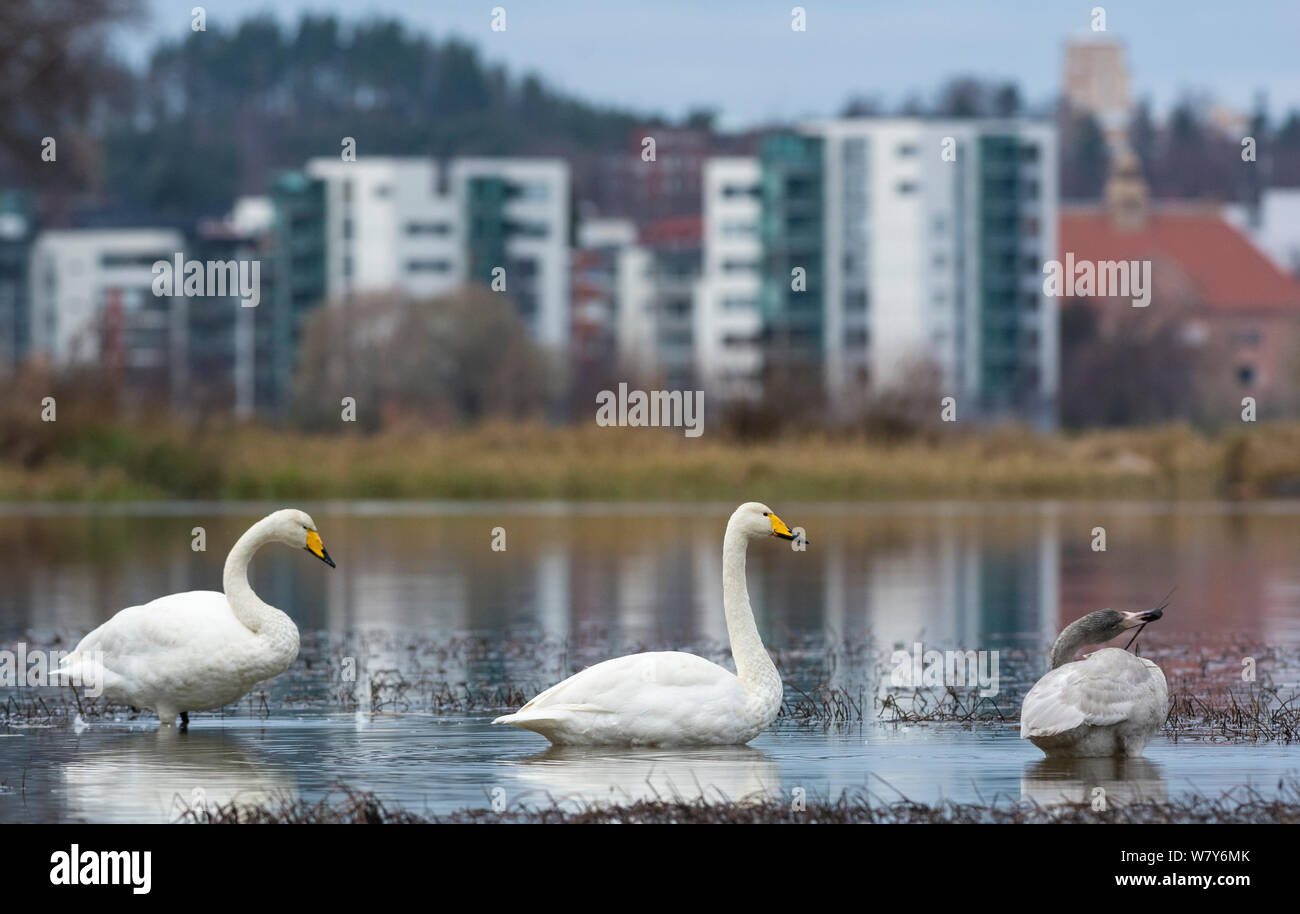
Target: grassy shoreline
{"x":585,"y":463}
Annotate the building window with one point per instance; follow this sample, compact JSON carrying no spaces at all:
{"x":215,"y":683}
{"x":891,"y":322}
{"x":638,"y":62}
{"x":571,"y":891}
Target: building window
{"x":738,"y":303}
{"x":111,"y":261}
{"x":532,"y":229}
{"x":428,"y":228}
{"x":534,"y":190}
{"x":906,"y":187}
{"x":427,"y":266}
{"x":1248,"y":338}
{"x":907,"y":150}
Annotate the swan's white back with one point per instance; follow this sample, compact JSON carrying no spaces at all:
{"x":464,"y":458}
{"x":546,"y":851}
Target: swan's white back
{"x":1110,"y":703}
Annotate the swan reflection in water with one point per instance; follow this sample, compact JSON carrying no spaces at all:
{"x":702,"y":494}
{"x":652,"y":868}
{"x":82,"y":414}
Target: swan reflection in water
{"x":143,"y":778}
{"x":1115,"y":779}
{"x":577,"y":775}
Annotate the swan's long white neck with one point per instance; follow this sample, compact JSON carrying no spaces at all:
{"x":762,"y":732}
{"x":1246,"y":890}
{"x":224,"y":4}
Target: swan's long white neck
{"x":1072,"y":638}
{"x":257,"y":616}
{"x":754,"y":667}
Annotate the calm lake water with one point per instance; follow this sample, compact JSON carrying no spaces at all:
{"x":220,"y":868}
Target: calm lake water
{"x":578,"y":583}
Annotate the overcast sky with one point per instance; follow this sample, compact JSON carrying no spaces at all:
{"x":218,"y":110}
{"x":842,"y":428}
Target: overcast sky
{"x":742,"y":58}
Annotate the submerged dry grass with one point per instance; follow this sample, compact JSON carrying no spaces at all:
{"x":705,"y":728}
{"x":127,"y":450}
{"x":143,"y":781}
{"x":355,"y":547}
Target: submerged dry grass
{"x":87,"y":460}
{"x":382,"y":673}
{"x":1241,"y":805}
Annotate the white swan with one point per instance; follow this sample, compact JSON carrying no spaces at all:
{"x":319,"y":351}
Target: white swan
{"x":669,"y":698}
{"x":199,"y":650}
{"x":1111,"y":703}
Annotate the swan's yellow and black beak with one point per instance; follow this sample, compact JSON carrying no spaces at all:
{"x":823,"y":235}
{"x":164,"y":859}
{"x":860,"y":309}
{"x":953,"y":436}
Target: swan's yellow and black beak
{"x":779,"y":528}
{"x":317,"y":548}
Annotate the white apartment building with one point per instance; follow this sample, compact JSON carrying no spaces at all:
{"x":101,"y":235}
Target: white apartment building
{"x":935,"y":237}
{"x":927,"y":241}
{"x":536,"y":223}
{"x":635,"y":323}
{"x":601,"y":244}
{"x":728,"y":322}
{"x":650,"y":276}
{"x":92,"y":291}
{"x":413,"y":225}
{"x":626,"y":292}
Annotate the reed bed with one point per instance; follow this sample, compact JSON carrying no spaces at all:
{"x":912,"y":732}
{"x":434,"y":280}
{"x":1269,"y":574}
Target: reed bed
{"x":1240,"y":805}
{"x":87,"y":460}
{"x":826,"y":685}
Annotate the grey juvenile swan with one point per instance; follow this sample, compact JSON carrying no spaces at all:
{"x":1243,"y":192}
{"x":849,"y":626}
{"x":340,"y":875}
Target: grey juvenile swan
{"x":1110,"y":703}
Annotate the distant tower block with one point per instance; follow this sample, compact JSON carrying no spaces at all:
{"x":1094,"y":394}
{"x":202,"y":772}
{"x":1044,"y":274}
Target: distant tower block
{"x":1097,"y":81}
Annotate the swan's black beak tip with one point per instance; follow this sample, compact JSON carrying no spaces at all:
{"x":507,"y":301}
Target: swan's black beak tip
{"x":323,"y":555}
{"x":1152,"y":615}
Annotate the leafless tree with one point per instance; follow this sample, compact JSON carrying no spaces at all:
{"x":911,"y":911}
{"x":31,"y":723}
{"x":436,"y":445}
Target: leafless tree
{"x":458,"y":357}
{"x":55,"y":70}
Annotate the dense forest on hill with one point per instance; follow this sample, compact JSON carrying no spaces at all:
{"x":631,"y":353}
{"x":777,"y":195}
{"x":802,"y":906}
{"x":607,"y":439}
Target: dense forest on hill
{"x":219,"y":111}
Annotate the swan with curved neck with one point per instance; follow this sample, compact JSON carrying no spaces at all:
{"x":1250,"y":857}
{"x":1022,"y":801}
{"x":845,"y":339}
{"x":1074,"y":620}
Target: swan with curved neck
{"x":1109,"y":704}
{"x":202,"y":649}
{"x":669,"y":697}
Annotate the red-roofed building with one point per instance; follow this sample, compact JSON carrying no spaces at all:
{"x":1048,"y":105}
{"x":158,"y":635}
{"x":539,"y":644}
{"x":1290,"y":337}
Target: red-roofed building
{"x":1236,"y":312}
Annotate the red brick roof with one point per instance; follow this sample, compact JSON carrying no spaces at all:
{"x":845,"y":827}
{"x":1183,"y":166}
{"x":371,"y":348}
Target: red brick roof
{"x":1224,"y":266}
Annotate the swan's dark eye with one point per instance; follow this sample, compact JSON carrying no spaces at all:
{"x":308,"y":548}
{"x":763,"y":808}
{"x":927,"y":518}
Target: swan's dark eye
{"x":765,"y":514}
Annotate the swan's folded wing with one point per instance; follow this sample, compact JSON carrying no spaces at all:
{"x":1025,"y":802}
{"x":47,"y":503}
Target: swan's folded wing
{"x":130,"y":641}
{"x":610,"y":685}
{"x":1099,"y":691}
